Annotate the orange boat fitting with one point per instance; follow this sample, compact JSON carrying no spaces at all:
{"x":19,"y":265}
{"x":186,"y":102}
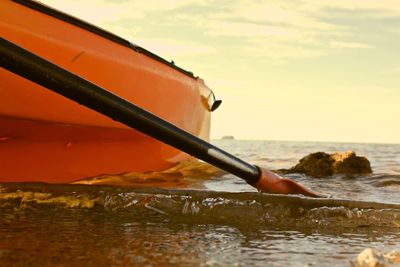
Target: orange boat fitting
{"x":46,"y":137}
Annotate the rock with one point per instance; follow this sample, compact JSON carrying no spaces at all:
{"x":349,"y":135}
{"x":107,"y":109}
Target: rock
{"x":348,"y":163}
{"x":370,"y":257}
{"x":394,"y":256}
{"x":321,"y":164}
{"x":318,"y":164}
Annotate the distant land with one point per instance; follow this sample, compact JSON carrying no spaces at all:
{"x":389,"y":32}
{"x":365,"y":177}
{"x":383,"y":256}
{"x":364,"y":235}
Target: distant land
{"x":228,"y":137}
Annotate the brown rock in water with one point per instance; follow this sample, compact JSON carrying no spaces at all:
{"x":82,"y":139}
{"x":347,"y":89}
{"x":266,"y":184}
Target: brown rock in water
{"x":348,"y":163}
{"x":321,"y":164}
{"x":370,"y":257}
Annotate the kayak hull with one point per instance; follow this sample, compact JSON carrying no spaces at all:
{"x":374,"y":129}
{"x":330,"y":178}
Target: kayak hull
{"x":48,"y":138}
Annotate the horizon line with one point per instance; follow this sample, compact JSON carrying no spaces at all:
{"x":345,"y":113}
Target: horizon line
{"x":308,"y":141}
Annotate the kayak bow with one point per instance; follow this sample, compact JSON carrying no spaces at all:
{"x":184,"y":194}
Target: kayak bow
{"x":70,"y":85}
{"x":59,"y":141}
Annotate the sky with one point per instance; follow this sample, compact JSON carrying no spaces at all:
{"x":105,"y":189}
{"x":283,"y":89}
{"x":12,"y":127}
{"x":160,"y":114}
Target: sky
{"x":301,"y":70}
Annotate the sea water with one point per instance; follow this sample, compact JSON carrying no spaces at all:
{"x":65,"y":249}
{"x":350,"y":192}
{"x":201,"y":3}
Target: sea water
{"x":197,"y":215}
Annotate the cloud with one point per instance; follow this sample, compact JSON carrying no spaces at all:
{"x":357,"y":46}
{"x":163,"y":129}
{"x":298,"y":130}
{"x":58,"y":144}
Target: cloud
{"x":345,"y":45}
{"x":245,"y":29}
{"x":277,"y":30}
{"x":285,"y":13}
{"x":174,"y":48}
{"x":99,"y":11}
{"x":280,"y":30}
{"x":104,"y":10}
{"x":381,"y":7}
{"x":371,"y":90}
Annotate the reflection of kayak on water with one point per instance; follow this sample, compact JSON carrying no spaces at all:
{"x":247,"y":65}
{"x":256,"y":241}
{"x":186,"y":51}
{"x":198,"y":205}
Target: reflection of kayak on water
{"x":46,"y":137}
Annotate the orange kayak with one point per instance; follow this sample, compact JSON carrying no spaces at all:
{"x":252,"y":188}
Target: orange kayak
{"x":48,"y":138}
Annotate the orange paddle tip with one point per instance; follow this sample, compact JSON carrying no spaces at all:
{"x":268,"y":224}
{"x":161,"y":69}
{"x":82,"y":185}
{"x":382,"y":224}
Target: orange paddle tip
{"x":270,"y":182}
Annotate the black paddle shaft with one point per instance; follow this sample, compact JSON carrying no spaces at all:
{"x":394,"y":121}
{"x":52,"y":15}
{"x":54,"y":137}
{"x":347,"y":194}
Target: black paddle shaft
{"x":36,"y":69}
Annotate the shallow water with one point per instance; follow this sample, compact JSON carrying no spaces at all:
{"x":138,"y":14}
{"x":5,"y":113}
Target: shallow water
{"x":209,"y":218}
{"x":381,"y":186}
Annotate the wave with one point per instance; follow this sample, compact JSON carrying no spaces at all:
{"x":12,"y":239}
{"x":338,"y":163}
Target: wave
{"x":199,"y":206}
{"x":385,"y":180}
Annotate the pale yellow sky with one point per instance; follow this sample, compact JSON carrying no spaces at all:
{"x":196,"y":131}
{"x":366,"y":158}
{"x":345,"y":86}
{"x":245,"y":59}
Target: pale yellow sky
{"x":286,"y":70}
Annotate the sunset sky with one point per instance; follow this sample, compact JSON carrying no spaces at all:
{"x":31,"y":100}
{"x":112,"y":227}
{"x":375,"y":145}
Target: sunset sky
{"x":286,"y":70}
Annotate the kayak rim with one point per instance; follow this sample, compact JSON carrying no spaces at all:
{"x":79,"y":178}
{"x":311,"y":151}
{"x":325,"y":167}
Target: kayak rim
{"x":99,"y":31}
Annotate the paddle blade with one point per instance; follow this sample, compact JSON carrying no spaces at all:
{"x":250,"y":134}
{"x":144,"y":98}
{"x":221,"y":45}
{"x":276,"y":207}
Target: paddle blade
{"x":270,"y":182}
